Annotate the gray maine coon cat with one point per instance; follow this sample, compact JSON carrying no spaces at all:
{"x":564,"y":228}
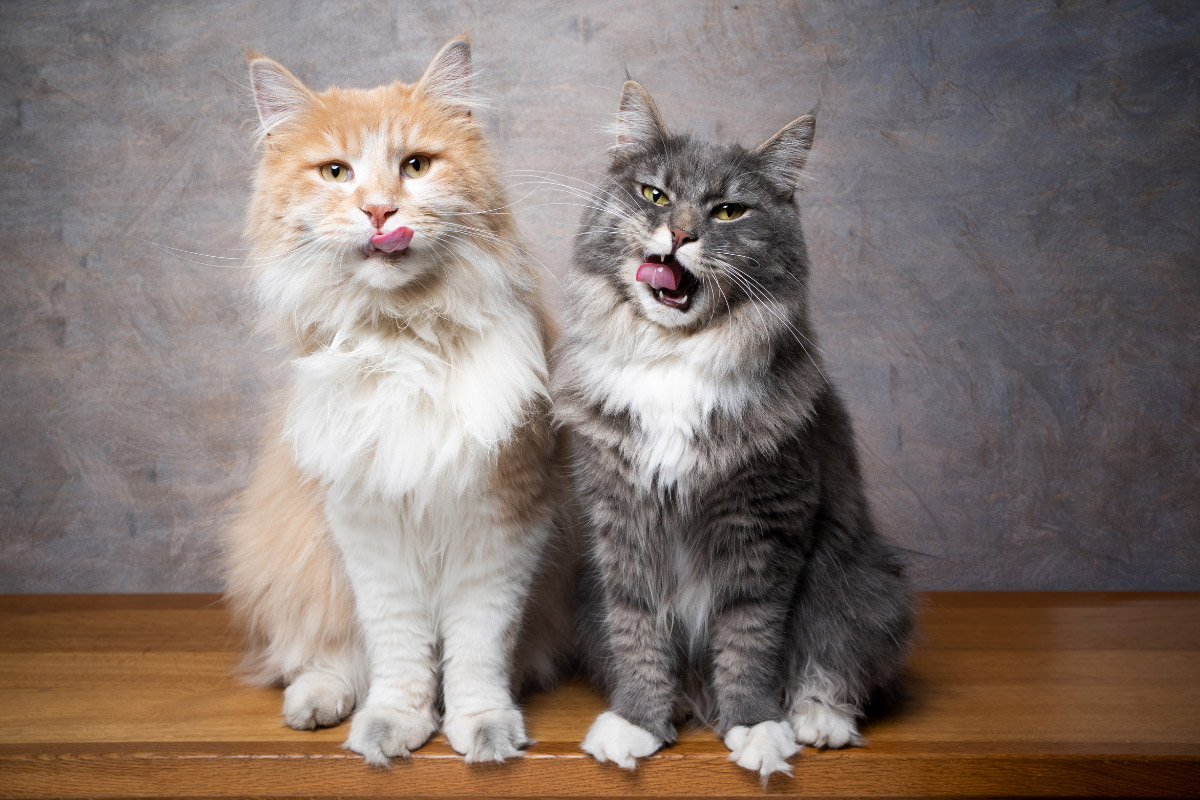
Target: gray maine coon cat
{"x":735,"y":571}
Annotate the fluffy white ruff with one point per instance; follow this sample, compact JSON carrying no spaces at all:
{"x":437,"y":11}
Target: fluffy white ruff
{"x":821,"y":725}
{"x":317,"y":700}
{"x":390,"y":415}
{"x":670,"y":394}
{"x":614,"y":738}
{"x":764,"y":748}
{"x":669,"y":382}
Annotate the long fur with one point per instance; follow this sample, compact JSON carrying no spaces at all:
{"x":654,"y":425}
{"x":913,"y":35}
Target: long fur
{"x":402,"y":510}
{"x":735,"y":572}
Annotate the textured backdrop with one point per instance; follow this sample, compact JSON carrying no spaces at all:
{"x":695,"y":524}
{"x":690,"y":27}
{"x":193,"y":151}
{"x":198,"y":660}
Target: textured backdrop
{"x":1002,"y":217}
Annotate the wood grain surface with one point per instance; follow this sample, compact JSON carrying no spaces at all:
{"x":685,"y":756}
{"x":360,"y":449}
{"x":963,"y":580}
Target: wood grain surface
{"x":1011,"y":694}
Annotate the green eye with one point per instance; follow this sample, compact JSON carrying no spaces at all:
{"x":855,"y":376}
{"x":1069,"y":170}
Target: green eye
{"x":729,"y":211}
{"x":654,"y":195}
{"x":338,"y":173}
{"x":416,"y":166}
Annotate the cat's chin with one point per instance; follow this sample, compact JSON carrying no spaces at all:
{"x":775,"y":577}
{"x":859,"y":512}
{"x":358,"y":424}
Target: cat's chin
{"x":681,"y":309}
{"x":369,"y":250}
{"x":388,"y":271}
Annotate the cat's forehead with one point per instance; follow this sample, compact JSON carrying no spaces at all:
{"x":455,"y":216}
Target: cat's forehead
{"x":695,"y":167}
{"x":379,"y":121}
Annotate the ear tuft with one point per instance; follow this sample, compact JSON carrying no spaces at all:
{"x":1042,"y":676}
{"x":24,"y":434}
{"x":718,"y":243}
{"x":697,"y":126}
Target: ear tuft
{"x":639,"y":124}
{"x":447,"y":81}
{"x":786,"y":152}
{"x":279,"y":94}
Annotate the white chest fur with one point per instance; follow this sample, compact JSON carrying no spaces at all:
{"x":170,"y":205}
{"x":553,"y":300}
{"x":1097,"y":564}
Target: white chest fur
{"x":390,"y":416}
{"x":670,"y":399}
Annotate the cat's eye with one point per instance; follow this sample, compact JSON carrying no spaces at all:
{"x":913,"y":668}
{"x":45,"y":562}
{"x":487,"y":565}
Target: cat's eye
{"x":655,"y":195}
{"x":338,"y":173}
{"x":416,"y":166}
{"x":729,"y":211}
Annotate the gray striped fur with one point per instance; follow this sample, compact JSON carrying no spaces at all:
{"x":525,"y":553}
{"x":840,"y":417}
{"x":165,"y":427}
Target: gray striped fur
{"x":755,"y":581}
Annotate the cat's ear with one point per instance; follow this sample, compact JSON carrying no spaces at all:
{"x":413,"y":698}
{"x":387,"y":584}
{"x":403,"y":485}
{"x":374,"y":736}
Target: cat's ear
{"x":279,"y":94}
{"x":784,"y":153}
{"x":638,"y":121}
{"x":447,"y":81}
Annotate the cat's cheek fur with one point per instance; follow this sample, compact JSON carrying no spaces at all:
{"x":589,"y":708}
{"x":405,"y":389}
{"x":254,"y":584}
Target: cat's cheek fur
{"x":614,"y":738}
{"x":764,"y":748}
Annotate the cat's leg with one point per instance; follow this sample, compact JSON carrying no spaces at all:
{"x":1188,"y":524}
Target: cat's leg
{"x":748,"y":680}
{"x":851,"y":628}
{"x":392,"y":599}
{"x":642,"y":677}
{"x":822,"y":712}
{"x":483,"y":596}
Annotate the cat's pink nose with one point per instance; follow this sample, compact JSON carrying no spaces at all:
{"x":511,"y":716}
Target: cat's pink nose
{"x":680,"y":237}
{"x":378,"y":213}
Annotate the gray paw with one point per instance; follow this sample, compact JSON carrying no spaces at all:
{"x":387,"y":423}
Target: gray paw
{"x":493,"y":735}
{"x":317,"y":700}
{"x":379,"y":734}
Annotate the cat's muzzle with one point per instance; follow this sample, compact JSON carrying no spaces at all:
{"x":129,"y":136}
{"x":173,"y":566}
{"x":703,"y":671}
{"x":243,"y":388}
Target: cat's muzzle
{"x":669,"y":282}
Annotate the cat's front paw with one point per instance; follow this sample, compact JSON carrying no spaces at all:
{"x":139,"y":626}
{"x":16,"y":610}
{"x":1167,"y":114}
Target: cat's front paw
{"x":614,"y":738}
{"x":822,"y":725}
{"x":492,"y":735}
{"x":764,"y":749}
{"x":379,"y":734}
{"x":317,"y":700}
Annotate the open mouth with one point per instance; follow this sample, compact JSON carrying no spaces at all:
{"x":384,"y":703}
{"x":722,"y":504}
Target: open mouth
{"x":668,"y":281}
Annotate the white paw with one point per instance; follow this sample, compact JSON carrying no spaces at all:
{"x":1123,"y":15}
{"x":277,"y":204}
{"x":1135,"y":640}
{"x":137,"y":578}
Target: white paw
{"x":764,"y":749}
{"x":379,"y":734}
{"x":614,"y":738}
{"x":822,"y":725}
{"x":487,"y":735}
{"x":317,"y":700}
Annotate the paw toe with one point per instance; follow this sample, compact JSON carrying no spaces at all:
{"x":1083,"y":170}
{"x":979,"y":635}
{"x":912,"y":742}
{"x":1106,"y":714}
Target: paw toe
{"x":764,"y":748}
{"x":316,"y":700}
{"x":613,"y":738}
{"x":494,"y":735}
{"x":821,"y":725}
{"x":381,"y":734}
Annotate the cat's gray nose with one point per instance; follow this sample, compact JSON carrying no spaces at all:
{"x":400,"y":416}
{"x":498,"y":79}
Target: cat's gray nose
{"x":680,"y":237}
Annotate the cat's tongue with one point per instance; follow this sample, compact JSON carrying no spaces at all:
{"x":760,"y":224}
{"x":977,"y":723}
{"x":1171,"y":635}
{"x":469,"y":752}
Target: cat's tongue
{"x":660,"y":276}
{"x":393,"y":241}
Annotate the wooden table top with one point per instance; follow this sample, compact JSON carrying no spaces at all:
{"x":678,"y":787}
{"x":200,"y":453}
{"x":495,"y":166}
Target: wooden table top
{"x":1035,"y":694}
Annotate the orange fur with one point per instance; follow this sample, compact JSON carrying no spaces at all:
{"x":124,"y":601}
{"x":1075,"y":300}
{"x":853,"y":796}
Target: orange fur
{"x":468,"y":299}
{"x":286,"y":585}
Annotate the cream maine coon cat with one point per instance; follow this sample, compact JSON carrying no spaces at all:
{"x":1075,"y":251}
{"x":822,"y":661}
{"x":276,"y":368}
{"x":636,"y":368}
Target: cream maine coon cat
{"x":401,"y":508}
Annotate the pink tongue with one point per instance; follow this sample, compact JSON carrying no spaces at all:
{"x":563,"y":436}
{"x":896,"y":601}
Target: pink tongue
{"x":660,"y":276}
{"x":391,"y":242}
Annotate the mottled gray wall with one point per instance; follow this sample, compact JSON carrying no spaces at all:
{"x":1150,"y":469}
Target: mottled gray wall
{"x":1002,"y":217}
